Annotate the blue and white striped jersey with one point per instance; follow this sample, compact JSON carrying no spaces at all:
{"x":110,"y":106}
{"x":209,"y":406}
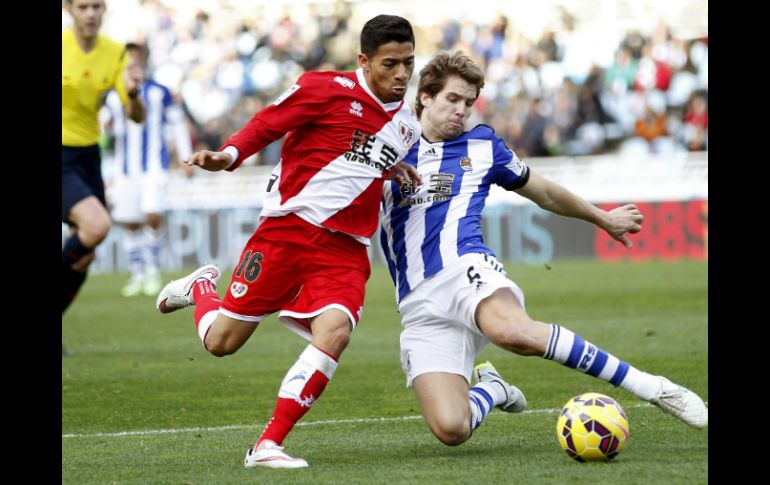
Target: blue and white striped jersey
{"x":141,"y":147}
{"x":423,"y":231}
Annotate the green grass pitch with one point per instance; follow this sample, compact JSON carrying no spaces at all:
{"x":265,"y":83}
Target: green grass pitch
{"x":143,"y":403}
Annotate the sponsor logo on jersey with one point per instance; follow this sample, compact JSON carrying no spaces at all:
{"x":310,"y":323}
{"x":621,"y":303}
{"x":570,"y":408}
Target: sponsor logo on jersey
{"x":441,"y":183}
{"x":345,"y":82}
{"x":407,"y":134}
{"x":363,"y":149}
{"x":293,"y":89}
{"x":439,"y":190}
{"x":238,"y":289}
{"x":430,"y":153}
{"x":356,"y":109}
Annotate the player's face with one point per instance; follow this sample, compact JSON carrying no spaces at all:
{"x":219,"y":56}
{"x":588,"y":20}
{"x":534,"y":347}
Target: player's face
{"x":443,"y":117}
{"x":388,"y":71}
{"x":87,"y":15}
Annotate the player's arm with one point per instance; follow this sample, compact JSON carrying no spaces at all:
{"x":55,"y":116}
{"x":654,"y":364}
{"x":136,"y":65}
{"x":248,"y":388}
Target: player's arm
{"x":558,"y":199}
{"x":303,"y":103}
{"x":128,"y":77}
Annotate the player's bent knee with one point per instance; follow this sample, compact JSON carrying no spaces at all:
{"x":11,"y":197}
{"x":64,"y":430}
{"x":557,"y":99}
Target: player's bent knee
{"x":332,"y":341}
{"x":217,"y":350}
{"x":452,"y":436}
{"x":451,"y":429}
{"x":222,"y":347}
{"x":94,"y":233}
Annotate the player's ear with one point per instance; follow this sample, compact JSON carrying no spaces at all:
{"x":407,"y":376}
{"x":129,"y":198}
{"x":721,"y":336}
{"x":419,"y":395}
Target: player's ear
{"x":426,"y":99}
{"x":363,"y":61}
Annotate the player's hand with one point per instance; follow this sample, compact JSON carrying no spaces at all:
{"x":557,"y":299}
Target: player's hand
{"x":402,"y":172}
{"x":133,"y":76}
{"x":622,"y":220}
{"x":208,"y":160}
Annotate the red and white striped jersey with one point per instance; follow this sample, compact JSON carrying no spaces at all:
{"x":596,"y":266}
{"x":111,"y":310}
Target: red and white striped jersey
{"x":341,"y":141}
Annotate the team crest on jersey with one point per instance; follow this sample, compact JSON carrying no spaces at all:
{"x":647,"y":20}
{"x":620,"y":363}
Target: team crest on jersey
{"x":407,"y":134}
{"x":465,"y":164}
{"x":356,"y":109}
{"x":238,"y":289}
{"x":293,"y":89}
{"x":345,"y":82}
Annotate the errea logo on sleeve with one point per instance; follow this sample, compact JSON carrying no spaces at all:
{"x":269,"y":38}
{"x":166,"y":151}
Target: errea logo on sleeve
{"x":293,"y":89}
{"x":356,"y":109}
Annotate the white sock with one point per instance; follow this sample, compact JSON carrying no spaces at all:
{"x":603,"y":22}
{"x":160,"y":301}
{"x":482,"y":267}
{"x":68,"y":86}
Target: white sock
{"x":205,"y":323}
{"x":132,"y":245}
{"x":310,"y":360}
{"x":153,"y":245}
{"x":641,"y":384}
{"x":482,"y":398}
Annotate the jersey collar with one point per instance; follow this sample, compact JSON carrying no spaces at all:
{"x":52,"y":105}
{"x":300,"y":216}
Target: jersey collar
{"x":362,"y":82}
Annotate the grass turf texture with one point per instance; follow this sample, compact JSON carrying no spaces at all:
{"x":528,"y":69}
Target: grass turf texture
{"x":135,"y":370}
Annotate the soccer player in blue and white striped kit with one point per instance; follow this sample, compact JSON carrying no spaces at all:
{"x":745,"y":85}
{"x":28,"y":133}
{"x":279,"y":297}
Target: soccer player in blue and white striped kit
{"x":142,"y":163}
{"x":453,"y":295}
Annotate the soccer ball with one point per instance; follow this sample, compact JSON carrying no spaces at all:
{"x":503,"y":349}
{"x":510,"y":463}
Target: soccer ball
{"x":592,"y":427}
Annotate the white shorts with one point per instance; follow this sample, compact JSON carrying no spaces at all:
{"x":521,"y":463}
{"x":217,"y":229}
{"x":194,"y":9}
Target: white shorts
{"x":137,"y":196}
{"x":439,"y":317}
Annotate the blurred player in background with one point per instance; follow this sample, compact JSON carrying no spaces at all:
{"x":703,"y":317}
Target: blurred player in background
{"x":92,"y":64}
{"x":307,"y":259}
{"x":433,"y":244}
{"x":141,"y":173}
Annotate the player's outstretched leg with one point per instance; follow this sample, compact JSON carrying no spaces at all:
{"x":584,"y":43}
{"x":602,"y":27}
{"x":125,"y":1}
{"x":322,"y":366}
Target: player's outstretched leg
{"x":178,"y":294}
{"x":575,"y":352}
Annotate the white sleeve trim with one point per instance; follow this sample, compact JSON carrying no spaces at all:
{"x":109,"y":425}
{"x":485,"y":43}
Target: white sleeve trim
{"x":233,"y":153}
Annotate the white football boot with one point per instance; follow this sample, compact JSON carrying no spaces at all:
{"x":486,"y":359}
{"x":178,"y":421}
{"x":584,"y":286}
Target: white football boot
{"x":682,"y":403}
{"x":272,"y":456}
{"x":516,"y":403}
{"x":178,"y":293}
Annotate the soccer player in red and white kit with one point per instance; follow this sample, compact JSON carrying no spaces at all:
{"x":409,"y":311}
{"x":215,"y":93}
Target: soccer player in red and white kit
{"x":347,"y":132}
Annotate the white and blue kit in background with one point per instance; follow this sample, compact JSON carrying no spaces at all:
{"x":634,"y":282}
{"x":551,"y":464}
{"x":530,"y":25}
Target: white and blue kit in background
{"x":435,"y":251}
{"x":141,"y":154}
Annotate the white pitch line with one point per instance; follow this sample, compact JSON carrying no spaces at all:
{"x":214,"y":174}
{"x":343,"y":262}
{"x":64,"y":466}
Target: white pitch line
{"x":149,"y":432}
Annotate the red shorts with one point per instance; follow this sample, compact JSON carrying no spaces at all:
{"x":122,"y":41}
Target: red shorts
{"x":299,"y":269}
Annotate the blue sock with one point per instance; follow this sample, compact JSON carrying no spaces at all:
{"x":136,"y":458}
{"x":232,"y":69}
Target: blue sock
{"x":482,"y":400}
{"x":73,"y":250}
{"x":70,"y":285}
{"x":574,"y":351}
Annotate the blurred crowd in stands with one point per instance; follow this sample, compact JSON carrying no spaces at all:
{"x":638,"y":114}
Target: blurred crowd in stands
{"x":225,"y":65}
